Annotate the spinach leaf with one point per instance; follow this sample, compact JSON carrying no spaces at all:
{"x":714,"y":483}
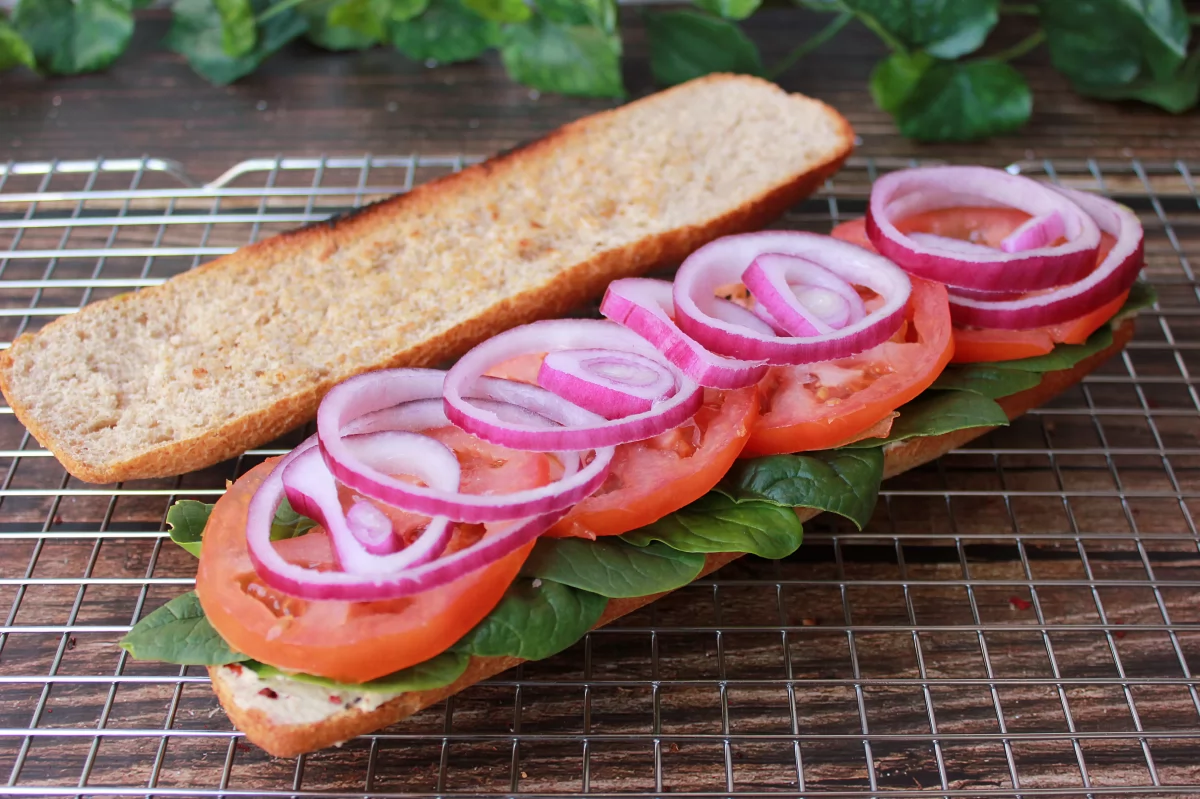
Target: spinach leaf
{"x":686,"y":45}
{"x":437,"y":672}
{"x":238,"y":29}
{"x":1111,"y":42}
{"x":500,"y":10}
{"x":179,"y":632}
{"x":963,"y":101}
{"x":447,"y":32}
{"x":572,"y":59}
{"x":611,"y":567}
{"x":1064,"y":356}
{"x":13,"y":49}
{"x":68,"y":37}
{"x":196,"y":34}
{"x":717,"y":523}
{"x":939,"y":412}
{"x":943,"y":28}
{"x":895,"y":77}
{"x":730,"y":9}
{"x":1141,"y":296}
{"x":535,"y":619}
{"x":1176,"y":93}
{"x":842,"y":481}
{"x":186,"y":520}
{"x":986,"y":379}
{"x":288,"y":523}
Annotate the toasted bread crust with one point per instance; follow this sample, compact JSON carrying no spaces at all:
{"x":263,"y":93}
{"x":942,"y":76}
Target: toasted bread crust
{"x":572,"y":286}
{"x":291,"y":740}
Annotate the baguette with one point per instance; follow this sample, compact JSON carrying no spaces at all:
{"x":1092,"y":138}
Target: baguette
{"x":275,"y":734}
{"x":239,"y":351}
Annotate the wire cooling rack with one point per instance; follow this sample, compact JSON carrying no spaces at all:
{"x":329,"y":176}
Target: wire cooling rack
{"x":1021,"y":618}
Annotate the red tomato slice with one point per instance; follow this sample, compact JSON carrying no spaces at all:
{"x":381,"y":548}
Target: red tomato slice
{"x":989,"y":226}
{"x":652,"y":478}
{"x":823,"y":405}
{"x":356,"y":641}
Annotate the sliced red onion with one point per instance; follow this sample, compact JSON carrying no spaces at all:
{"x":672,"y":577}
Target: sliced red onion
{"x":762,"y":313}
{"x":729,"y":311}
{"x":372,"y":528}
{"x":901,"y":194}
{"x":1113,"y":276}
{"x":580,"y":428}
{"x":396,"y":400}
{"x":1035,"y":232}
{"x":645,"y":306}
{"x":947,"y":243}
{"x":612,"y":384}
{"x":307,"y":583}
{"x":723,"y":261}
{"x":805,"y":298}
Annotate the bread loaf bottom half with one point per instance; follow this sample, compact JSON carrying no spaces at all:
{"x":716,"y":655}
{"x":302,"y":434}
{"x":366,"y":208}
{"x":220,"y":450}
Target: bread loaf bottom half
{"x":287,"y":740}
{"x":236,"y":352}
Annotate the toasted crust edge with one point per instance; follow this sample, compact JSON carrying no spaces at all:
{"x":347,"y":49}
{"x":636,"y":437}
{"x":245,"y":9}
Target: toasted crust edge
{"x":570,"y":289}
{"x":292,"y":740}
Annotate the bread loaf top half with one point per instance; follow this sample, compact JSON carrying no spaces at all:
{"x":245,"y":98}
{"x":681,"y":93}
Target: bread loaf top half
{"x":240,"y":350}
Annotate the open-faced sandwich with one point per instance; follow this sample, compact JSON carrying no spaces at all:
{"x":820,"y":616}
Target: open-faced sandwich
{"x":441,"y":526}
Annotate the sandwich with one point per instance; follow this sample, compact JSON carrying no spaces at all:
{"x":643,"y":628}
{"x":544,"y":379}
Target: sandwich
{"x":441,"y":526}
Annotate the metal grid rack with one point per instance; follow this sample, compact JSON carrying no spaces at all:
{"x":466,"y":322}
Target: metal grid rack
{"x":1021,"y":618}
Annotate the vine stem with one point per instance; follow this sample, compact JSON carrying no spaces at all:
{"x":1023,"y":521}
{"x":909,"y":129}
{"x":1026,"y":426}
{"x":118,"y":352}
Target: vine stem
{"x":1022,"y":47}
{"x":819,"y":38}
{"x":278,"y":8}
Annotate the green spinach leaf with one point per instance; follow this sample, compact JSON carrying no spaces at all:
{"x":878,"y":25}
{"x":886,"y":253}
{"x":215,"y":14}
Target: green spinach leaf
{"x":196,"y":34}
{"x":500,"y":10}
{"x":186,"y":520}
{"x":447,"y":32}
{"x":686,"y":45}
{"x":986,"y":379}
{"x":1110,"y":42}
{"x":717,"y":523}
{"x":13,"y":49}
{"x":611,"y":567}
{"x":179,"y":632}
{"x":68,"y":37}
{"x":535,"y":619}
{"x":437,"y":672}
{"x":943,"y":28}
{"x":1064,"y":356}
{"x":572,"y":59}
{"x":288,"y":523}
{"x":963,"y":101}
{"x":842,"y":481}
{"x":938,"y":412}
{"x":1142,"y":295}
{"x":730,"y":9}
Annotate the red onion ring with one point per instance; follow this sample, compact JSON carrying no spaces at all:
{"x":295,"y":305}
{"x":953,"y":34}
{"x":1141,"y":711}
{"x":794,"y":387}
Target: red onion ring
{"x":778,"y":283}
{"x":612,"y":384}
{"x":1035,"y":232}
{"x":394,"y":398}
{"x":723,"y":261}
{"x":581,"y":428}
{"x":644,"y":306}
{"x":1114,"y":275}
{"x":911,"y":191}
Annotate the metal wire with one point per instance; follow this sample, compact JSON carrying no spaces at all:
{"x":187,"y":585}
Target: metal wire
{"x":1021,"y":618}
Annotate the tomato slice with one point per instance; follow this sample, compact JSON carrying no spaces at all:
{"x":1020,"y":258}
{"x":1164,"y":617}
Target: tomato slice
{"x":823,"y":405}
{"x":989,"y":226}
{"x":356,"y":641}
{"x":652,"y":478}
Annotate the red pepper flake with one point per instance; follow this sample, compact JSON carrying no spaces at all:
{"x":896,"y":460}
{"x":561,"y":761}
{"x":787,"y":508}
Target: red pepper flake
{"x":71,"y":642}
{"x":809,"y":621}
{"x":268,"y":693}
{"x":1118,"y":634}
{"x":1017,"y":603}
{"x":236,"y":668}
{"x":335,"y":700}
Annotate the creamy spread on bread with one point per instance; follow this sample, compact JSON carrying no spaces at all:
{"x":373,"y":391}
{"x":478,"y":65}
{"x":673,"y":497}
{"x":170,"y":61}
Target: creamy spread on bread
{"x":291,"y":702}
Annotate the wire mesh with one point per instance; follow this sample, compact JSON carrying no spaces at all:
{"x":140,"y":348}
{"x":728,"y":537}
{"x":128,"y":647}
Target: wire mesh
{"x":1020,"y":618}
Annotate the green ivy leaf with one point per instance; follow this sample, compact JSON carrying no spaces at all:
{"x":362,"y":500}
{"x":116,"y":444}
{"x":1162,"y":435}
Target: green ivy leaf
{"x":685,"y":45}
{"x":186,"y":520}
{"x":1065,"y":356}
{"x":1177,"y":93}
{"x":500,"y":10}
{"x":570,"y":59}
{"x":534,"y":620}
{"x":611,"y":567}
{"x":179,"y":632}
{"x":938,"y":412}
{"x":986,"y":379}
{"x":196,"y":34}
{"x":447,"y":32}
{"x":955,"y":101}
{"x":13,"y":49}
{"x":597,"y":13}
{"x":842,"y":481}
{"x":238,"y":29}
{"x":68,"y":37}
{"x":331,"y":37}
{"x":437,"y":672}
{"x":1111,"y":42}
{"x":895,"y":77}
{"x":717,"y":523}
{"x":730,"y":9}
{"x":943,"y":28}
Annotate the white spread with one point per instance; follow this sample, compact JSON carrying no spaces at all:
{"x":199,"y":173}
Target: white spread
{"x":291,"y":702}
